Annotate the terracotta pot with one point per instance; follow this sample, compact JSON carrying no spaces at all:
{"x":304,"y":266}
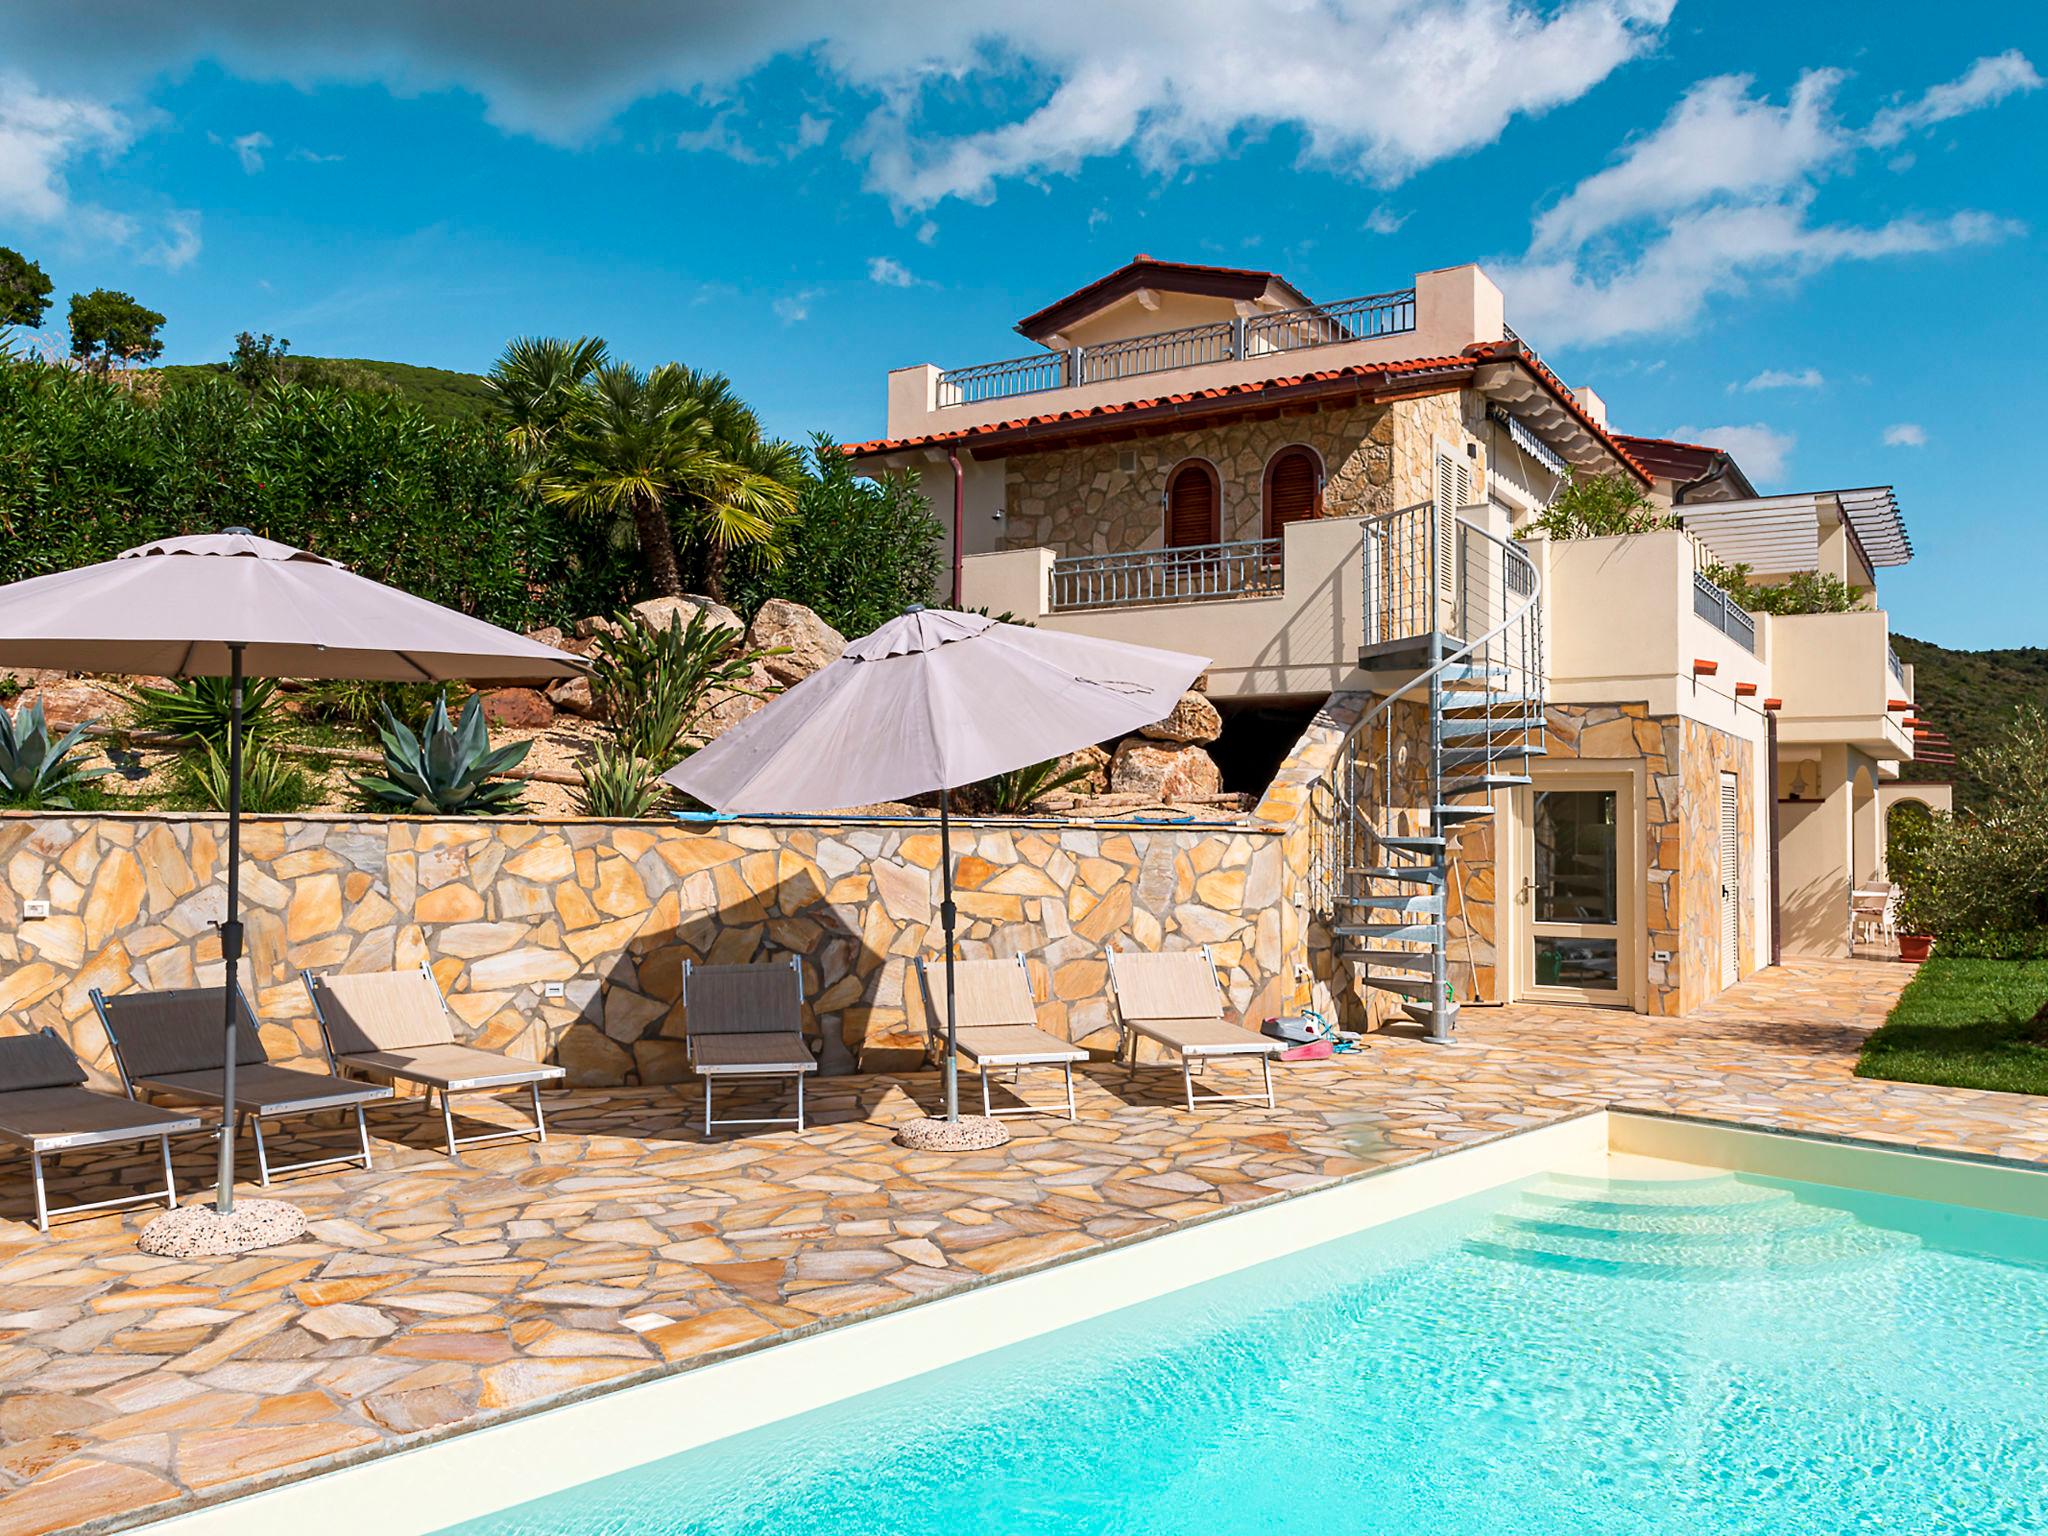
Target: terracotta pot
{"x":1915,"y":946}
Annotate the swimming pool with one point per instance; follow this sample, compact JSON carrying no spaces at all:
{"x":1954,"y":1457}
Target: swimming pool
{"x":1706,"y":1353}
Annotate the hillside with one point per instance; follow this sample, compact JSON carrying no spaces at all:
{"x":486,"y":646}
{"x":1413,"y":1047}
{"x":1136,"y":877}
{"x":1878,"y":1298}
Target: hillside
{"x":1972,"y":696}
{"x":440,"y":392}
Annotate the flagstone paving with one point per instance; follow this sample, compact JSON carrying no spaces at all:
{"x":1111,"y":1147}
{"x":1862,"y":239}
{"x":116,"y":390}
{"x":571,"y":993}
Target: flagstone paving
{"x":431,"y":1295}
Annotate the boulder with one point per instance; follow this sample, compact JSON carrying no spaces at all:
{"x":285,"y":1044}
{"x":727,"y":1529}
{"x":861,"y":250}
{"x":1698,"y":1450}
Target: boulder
{"x":1096,"y":760}
{"x":547,"y":634}
{"x":75,"y":700}
{"x":1193,"y":719}
{"x":809,"y":640}
{"x":727,"y":707}
{"x":518,"y":709}
{"x":572,"y":696}
{"x":1164,"y":771}
{"x":595,"y":627}
{"x":660,"y":612}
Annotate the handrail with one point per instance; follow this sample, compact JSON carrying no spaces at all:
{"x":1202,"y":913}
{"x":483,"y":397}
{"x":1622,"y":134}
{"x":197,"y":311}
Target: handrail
{"x":1177,"y":574}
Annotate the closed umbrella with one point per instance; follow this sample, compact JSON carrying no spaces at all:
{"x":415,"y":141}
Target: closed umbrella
{"x":234,"y":605}
{"x":934,"y":700}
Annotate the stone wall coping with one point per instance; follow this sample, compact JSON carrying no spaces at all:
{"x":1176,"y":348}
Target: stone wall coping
{"x":1246,"y":824}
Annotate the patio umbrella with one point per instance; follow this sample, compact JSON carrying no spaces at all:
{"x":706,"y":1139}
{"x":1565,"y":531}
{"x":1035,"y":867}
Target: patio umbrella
{"x":934,"y":700}
{"x":234,"y":605}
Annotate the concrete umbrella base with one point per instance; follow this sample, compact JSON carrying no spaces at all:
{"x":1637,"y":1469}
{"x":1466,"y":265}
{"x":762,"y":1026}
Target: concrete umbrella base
{"x":970,"y":1133}
{"x":201,"y":1232}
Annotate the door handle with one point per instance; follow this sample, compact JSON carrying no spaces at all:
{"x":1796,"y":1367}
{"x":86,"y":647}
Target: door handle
{"x":1528,"y":890}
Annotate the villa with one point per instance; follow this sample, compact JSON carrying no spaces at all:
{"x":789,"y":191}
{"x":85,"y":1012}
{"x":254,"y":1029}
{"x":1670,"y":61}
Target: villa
{"x":1581,"y":770}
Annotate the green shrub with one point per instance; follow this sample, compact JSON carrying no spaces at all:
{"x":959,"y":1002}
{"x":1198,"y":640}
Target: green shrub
{"x":201,"y":707}
{"x":1599,"y":507}
{"x":1806,"y":592}
{"x":37,"y":774}
{"x":447,"y":769}
{"x":618,"y":785}
{"x":360,"y":705}
{"x":271,"y":784}
{"x":1979,"y":882}
{"x":1015,"y":792}
{"x":654,"y":685}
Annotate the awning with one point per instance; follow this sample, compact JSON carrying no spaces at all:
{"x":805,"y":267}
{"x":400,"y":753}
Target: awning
{"x":1782,"y":533}
{"x":1526,"y":439}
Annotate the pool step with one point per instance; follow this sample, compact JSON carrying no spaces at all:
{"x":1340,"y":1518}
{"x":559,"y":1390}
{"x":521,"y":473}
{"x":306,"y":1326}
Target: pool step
{"x":1760,"y":1254}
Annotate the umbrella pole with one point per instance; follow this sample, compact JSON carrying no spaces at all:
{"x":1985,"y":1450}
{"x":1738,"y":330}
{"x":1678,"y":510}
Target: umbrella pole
{"x":231,"y":932}
{"x":948,"y":915}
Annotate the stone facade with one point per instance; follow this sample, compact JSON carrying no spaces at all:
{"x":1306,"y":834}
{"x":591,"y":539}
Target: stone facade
{"x":608,"y":911}
{"x":1375,"y":458}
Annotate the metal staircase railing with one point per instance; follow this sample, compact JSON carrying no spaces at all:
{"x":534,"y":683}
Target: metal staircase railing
{"x":1433,"y":580}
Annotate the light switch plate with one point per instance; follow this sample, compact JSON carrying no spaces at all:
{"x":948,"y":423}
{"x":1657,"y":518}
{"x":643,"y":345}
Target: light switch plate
{"x":554,"y":989}
{"x":31,"y":909}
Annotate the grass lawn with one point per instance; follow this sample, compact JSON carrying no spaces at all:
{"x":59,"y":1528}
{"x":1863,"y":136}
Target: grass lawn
{"x":1966,"y":1024}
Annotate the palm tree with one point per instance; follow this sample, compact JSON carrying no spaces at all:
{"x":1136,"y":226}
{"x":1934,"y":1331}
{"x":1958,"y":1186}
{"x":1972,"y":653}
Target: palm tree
{"x":538,"y":381}
{"x":638,"y":447}
{"x":745,"y":504}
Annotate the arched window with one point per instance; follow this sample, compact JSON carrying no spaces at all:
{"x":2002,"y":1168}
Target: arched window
{"x":1194,"y":505}
{"x":1294,"y":488}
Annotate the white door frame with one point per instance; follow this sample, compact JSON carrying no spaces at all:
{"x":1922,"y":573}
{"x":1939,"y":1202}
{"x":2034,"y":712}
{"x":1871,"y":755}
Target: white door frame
{"x":1728,"y":859}
{"x":1626,"y":779}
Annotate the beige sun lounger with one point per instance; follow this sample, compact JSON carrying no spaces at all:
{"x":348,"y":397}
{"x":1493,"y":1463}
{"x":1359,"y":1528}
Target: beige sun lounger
{"x":996,"y":1024}
{"x":746,"y":1021}
{"x":395,"y":1025}
{"x":1175,"y":1001}
{"x":169,"y":1043}
{"x":46,"y":1109}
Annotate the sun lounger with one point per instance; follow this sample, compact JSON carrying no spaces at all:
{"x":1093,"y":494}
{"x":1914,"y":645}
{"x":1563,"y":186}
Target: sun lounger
{"x":746,"y":1021}
{"x":394,"y":1025}
{"x":46,"y":1109}
{"x":169,"y":1043}
{"x":995,"y":1023}
{"x":1175,"y":1001}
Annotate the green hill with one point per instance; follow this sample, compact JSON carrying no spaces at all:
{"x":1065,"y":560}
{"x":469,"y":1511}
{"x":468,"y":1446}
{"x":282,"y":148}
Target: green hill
{"x":1972,"y":696}
{"x":440,"y":392}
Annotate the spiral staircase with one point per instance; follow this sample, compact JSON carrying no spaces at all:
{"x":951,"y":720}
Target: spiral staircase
{"x":1462,"y":610}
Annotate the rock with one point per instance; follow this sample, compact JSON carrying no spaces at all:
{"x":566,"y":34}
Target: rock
{"x":1193,"y":719}
{"x":76,"y":700}
{"x":518,"y":709}
{"x":547,"y":634}
{"x":1165,"y":772}
{"x":595,"y":628}
{"x":660,"y":612}
{"x":729,"y":706}
{"x":1096,"y":760}
{"x":810,"y":641}
{"x":572,"y":696}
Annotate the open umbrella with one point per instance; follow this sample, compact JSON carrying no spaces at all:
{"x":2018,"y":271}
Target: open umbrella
{"x":233,"y":605}
{"x":934,"y":700}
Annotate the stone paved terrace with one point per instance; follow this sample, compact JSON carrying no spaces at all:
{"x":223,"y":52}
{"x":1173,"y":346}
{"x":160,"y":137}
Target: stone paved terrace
{"x":432,"y":1296}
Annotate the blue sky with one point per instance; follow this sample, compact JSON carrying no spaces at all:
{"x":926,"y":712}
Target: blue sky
{"x":1816,"y":244}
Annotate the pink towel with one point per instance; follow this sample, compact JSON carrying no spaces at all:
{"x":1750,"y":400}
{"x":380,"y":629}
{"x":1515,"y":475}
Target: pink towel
{"x":1315,"y":1050}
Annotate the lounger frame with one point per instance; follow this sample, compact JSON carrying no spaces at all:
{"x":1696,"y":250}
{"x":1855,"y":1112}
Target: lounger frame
{"x":529,"y":1074}
{"x":1014,"y":1061}
{"x":691,"y":1032}
{"x":1193,"y":1058}
{"x":246,"y":1116}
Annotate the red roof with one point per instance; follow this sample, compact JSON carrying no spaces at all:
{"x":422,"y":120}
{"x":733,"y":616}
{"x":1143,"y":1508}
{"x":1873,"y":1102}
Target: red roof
{"x":1233,"y":397}
{"x":1670,"y":459}
{"x":1141,"y":271}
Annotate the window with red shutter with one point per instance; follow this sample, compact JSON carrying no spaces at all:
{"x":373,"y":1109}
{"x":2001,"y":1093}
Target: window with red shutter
{"x":1294,"y":489}
{"x":1192,"y":506}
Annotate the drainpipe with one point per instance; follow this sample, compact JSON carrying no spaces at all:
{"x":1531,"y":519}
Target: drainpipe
{"x":1771,"y":831}
{"x":959,"y":517}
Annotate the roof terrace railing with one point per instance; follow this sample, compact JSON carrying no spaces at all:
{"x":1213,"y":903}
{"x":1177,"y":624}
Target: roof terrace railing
{"x":1189,"y":573}
{"x":1189,"y":346}
{"x":1891,"y":656}
{"x":1714,"y":605}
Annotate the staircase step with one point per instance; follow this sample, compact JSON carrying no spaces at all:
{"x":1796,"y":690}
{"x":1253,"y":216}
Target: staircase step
{"x":1399,"y":933}
{"x":1414,"y":844}
{"x":1393,"y":959}
{"x":1486,"y":783}
{"x":1423,"y":1013}
{"x":1520,"y":703}
{"x":1465,"y":672}
{"x":1418,"y":988}
{"x":1447,"y":815}
{"x":1433,"y":902}
{"x":1428,"y":874}
{"x":1462,"y":757}
{"x":1491,"y":725}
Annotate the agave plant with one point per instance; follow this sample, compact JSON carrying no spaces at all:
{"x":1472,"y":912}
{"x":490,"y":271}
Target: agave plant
{"x":35,"y":773}
{"x":1015,"y":792}
{"x":200,"y":707}
{"x":446,"y":769}
{"x":616,"y":784}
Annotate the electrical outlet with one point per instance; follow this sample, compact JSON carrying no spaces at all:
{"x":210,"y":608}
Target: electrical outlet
{"x":1661,"y":956}
{"x":554,"y":989}
{"x":31,"y":909}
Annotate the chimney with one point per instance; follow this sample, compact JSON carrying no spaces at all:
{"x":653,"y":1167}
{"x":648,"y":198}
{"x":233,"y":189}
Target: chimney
{"x":1592,"y":404}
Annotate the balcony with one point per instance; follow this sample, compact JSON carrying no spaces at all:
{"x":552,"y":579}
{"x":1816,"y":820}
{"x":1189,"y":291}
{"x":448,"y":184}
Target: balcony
{"x":1287,"y":330}
{"x":1275,"y":616}
{"x":1837,"y":673}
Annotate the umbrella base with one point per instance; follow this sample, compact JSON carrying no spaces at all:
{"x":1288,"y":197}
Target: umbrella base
{"x":201,"y":1232}
{"x":970,"y":1133}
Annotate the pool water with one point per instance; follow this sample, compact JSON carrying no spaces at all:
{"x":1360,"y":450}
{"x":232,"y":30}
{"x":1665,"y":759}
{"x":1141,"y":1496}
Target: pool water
{"x":1716,"y":1354}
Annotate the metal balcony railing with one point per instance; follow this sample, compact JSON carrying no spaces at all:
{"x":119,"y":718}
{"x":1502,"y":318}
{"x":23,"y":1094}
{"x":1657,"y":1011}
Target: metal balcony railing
{"x":1714,"y":605}
{"x":1410,"y":568}
{"x":1286,"y":330}
{"x":1891,"y":656}
{"x":1188,"y":574}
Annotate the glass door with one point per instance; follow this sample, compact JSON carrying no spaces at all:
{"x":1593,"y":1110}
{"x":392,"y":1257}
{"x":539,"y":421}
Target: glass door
{"x":1575,"y":894}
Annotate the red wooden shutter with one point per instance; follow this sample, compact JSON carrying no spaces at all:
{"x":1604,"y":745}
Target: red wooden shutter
{"x":1191,"y":507}
{"x":1290,"y":490}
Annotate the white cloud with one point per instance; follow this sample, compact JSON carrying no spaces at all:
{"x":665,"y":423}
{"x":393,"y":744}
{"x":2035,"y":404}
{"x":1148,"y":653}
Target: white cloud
{"x":176,"y":244}
{"x":928,"y":231}
{"x":1384,"y":221}
{"x":1985,"y":83}
{"x":1717,"y":198}
{"x":1378,"y":88}
{"x":811,"y":131}
{"x":314,"y":157}
{"x":249,"y":150}
{"x":718,"y":137}
{"x":1762,"y":452}
{"x":795,"y":308}
{"x":890,"y":273}
{"x":1782,"y":378}
{"x":1905,"y":434}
